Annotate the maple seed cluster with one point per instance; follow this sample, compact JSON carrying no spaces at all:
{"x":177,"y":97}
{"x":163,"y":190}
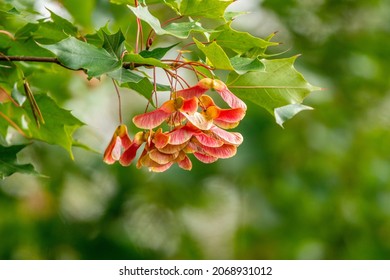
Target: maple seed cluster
{"x":197,"y":126}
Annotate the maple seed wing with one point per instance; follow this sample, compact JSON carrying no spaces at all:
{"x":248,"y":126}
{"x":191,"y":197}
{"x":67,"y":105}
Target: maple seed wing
{"x":150,"y":120}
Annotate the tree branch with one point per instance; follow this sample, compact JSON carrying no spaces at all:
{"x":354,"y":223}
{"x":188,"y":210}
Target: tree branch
{"x":29,"y":58}
{"x":127,"y":65}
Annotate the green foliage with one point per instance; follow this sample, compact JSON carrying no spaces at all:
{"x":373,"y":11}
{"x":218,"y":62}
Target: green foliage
{"x":215,"y":55}
{"x":218,"y":50}
{"x":139,"y":59}
{"x":278,"y":85}
{"x":75,"y":54}
{"x":112,"y":43}
{"x":81,"y":11}
{"x":200,"y":8}
{"x":180,"y":30}
{"x":184,"y":29}
{"x":243,"y":65}
{"x":58,"y":125}
{"x":129,"y":79}
{"x":157,"y":53}
{"x":54,"y":29}
{"x":241,"y":42}
{"x":9,"y":164}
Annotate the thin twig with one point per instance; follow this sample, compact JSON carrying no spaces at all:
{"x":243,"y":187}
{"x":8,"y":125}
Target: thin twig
{"x":140,"y":36}
{"x":154,"y":92}
{"x":152,"y":33}
{"x":155,"y":86}
{"x":18,"y":129}
{"x":119,"y":101}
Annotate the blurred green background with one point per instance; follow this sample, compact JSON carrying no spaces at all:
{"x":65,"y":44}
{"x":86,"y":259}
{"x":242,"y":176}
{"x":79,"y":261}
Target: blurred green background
{"x":318,"y":189}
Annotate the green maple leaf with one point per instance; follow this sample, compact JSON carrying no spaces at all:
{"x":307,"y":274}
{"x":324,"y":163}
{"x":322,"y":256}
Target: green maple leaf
{"x":138,"y":59}
{"x":157,"y":53}
{"x":57,"y":129}
{"x":279,"y":88}
{"x":183,"y":29}
{"x":215,"y":55}
{"x":9,"y":163}
{"x":180,"y":30}
{"x":112,"y":43}
{"x":243,"y":65}
{"x":75,"y":54}
{"x":53,"y":30}
{"x":240,"y":42}
{"x":59,"y":124}
{"x":200,"y":8}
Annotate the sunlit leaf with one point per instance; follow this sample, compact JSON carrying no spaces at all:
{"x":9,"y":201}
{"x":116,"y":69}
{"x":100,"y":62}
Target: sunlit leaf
{"x":54,"y":29}
{"x":184,"y":29}
{"x":200,"y":8}
{"x":215,"y":55}
{"x":173,"y":4}
{"x":244,"y":64}
{"x":229,"y":16}
{"x":180,"y":30}
{"x":47,"y":30}
{"x":122,"y":2}
{"x":143,"y":13}
{"x":278,"y":85}
{"x":80,"y":10}
{"x":59,"y":124}
{"x":240,"y":42}
{"x":63,"y":24}
{"x":286,"y":112}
